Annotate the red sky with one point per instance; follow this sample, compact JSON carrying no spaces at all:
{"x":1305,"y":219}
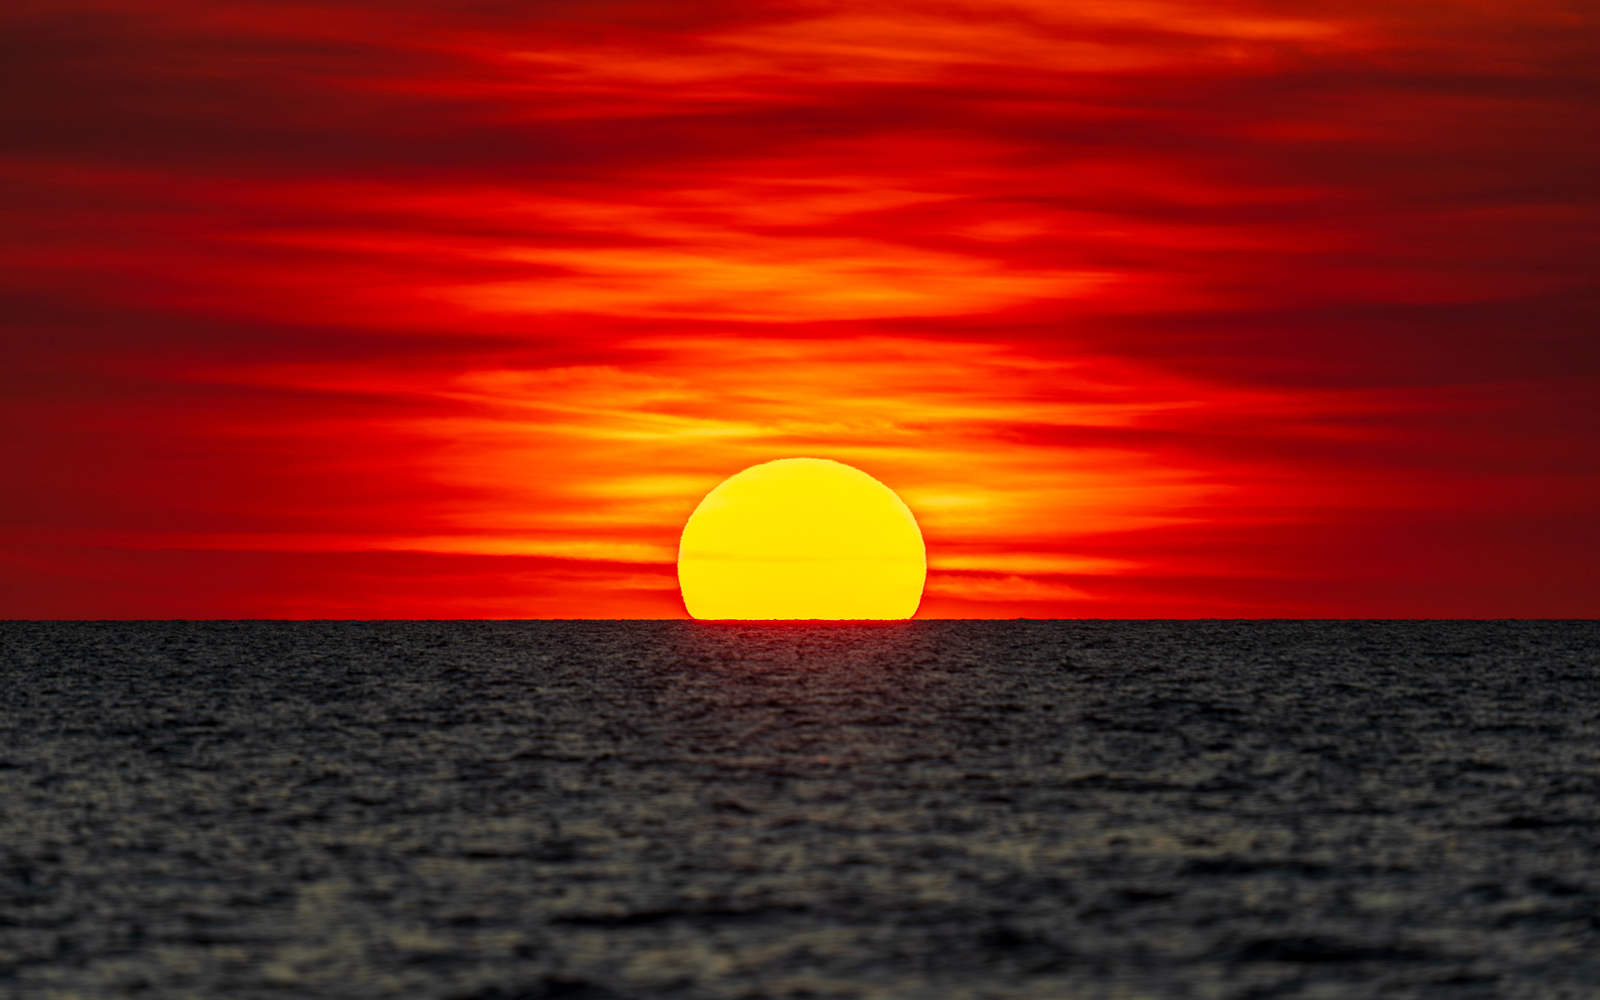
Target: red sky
{"x":454,"y":309}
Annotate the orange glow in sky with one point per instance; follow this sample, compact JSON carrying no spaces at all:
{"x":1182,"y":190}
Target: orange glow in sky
{"x":1157,"y":308}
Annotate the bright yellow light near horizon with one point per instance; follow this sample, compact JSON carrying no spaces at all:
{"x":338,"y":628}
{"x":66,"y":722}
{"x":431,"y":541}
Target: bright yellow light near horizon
{"x":801,"y":538}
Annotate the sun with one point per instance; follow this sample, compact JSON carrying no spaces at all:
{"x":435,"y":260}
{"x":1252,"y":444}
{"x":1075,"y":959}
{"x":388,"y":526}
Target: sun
{"x":801,"y":538}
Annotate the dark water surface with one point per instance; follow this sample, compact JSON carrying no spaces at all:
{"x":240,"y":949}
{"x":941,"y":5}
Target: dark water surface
{"x":602,"y":810}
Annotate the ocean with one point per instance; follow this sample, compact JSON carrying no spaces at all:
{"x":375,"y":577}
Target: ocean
{"x":633,"y":810}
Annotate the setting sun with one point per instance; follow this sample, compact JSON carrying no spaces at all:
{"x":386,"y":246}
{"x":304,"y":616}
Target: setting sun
{"x":801,"y":538}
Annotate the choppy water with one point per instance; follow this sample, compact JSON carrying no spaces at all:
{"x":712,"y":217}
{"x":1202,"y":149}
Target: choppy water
{"x":604,"y":810}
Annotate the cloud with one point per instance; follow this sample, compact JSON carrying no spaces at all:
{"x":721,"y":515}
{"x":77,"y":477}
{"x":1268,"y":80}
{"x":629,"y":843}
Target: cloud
{"x":1007,"y":589}
{"x":1184,"y":302}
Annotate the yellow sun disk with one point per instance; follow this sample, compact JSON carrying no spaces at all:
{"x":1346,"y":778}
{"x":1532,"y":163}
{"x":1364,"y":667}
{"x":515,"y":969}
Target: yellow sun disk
{"x":801,"y":538}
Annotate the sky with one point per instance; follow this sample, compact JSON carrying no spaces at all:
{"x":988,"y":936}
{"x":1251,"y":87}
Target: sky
{"x":456,"y":308}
